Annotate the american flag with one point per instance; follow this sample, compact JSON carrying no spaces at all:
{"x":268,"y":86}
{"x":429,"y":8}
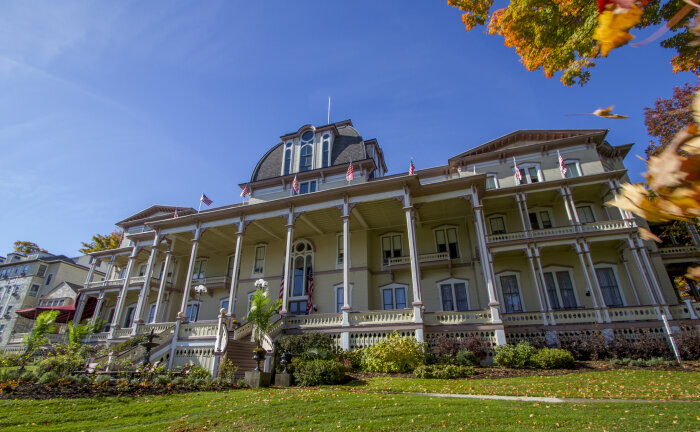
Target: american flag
{"x":175,"y":215}
{"x":244,"y":193}
{"x":295,"y":185}
{"x":309,"y":301}
{"x":562,"y":167}
{"x":411,"y":168}
{"x":518,"y":175}
{"x":205,"y":199}
{"x":350,"y":174}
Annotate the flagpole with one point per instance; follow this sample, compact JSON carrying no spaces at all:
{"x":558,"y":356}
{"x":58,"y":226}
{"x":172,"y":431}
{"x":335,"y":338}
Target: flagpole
{"x":200,"y":205}
{"x":329,"y":110}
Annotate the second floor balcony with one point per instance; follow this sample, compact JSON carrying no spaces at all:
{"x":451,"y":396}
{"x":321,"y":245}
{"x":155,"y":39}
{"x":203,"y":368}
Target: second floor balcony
{"x":594,"y":228}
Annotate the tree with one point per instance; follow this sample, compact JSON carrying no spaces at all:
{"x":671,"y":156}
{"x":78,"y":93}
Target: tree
{"x":27,"y":247}
{"x":102,"y":242}
{"x":558,"y":35}
{"x":262,"y":309}
{"x":668,"y":117}
{"x":42,"y":325}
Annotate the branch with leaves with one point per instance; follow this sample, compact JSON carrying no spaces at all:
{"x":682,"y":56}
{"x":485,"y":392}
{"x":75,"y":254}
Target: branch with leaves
{"x":102,"y":242}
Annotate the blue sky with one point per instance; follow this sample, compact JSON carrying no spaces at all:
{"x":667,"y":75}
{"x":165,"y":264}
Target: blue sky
{"x":109,"y":107}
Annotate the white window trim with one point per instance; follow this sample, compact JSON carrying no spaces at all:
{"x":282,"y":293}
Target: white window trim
{"x":381,"y":245}
{"x":307,"y":182}
{"x":339,"y":264}
{"x":310,"y":252}
{"x":288,"y":145}
{"x":589,"y":205}
{"x":150,"y":308}
{"x":536,"y":211}
{"x":49,"y":278}
{"x":393,"y":288}
{"x":452,"y":282}
{"x":126,"y":308}
{"x":253,"y":273}
{"x":500,"y":289}
{"x":494,"y":216}
{"x":199,"y":274}
{"x":199,"y":309}
{"x":301,"y":145}
{"x":325,"y":136}
{"x":578,"y":166}
{"x":525,"y":167}
{"x":553,"y":269}
{"x":249,"y":296}
{"x":221,"y":303}
{"x":445,"y":228}
{"x":617,"y":279}
{"x":495,"y":180}
{"x":336,"y":289}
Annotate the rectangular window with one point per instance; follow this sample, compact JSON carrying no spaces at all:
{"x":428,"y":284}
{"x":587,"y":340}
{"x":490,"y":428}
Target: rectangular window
{"x":497,"y":225}
{"x":152,"y":314}
{"x":259,"y":265}
{"x":48,"y":279}
{"x":2,"y":329}
{"x":8,"y":309}
{"x":454,"y":296}
{"x":307,"y":187}
{"x":200,"y":269}
{"x":339,"y":299}
{"x":128,"y":317}
{"x":34,"y":290}
{"x":545,"y":219}
{"x":491,"y":181}
{"x":571,"y":170}
{"x":540,"y":220}
{"x":341,"y":250}
{"x":585,"y":214}
{"x":394,"y":298}
{"x":223,"y":303}
{"x":391,"y":247}
{"x":41,"y":271}
{"x":530,"y":174}
{"x":511,"y":294}
{"x":297,"y":307}
{"x":108,"y":321}
{"x":609,"y":287}
{"x":25,"y":269}
{"x":142,"y":270}
{"x":192,"y":312}
{"x":533,"y":174}
{"x":446,"y":241}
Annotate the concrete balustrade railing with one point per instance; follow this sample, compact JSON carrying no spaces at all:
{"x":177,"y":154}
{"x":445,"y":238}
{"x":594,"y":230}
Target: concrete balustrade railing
{"x":199,"y":329}
{"x":96,"y":337}
{"x":634,"y":313}
{"x":428,"y":257}
{"x":381,"y":317}
{"x":157,"y":328}
{"x":492,"y":238}
{"x":605,"y":225}
{"x":523,"y":318}
{"x":122,"y":333}
{"x":570,"y":316}
{"x":315,"y":321}
{"x":243,"y":331}
{"x":457,"y":317}
{"x":679,"y":250}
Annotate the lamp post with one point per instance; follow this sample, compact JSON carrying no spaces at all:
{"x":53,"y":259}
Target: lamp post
{"x":199,"y":289}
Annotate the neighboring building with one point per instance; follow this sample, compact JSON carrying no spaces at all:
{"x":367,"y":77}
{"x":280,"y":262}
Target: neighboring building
{"x":469,"y":249}
{"x":26,"y":280}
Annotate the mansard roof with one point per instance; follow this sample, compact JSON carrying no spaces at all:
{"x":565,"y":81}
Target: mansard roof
{"x":527,"y":138}
{"x":348,"y":146}
{"x":154,"y":212}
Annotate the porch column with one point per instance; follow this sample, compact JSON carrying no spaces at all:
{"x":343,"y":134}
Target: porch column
{"x":346,"y":264}
{"x":146,"y":288}
{"x":526,"y":211}
{"x":596,"y":284}
{"x":565,"y":199}
{"x":287,"y":257}
{"x":572,"y":203}
{"x":415,"y":264}
{"x":163,"y":282}
{"x":233,"y":292}
{"x":110,"y":268}
{"x":190,"y":271}
{"x":623,"y":260}
{"x":82,"y":299}
{"x":98,"y":307}
{"x":494,"y":305}
{"x":589,"y":283}
{"x":539,"y":286}
{"x":526,"y":224}
{"x":122,"y":294}
{"x":91,"y":272}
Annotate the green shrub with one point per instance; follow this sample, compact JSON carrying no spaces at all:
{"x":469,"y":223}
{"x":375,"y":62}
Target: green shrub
{"x":316,"y":372}
{"x":515,"y":356}
{"x":9,"y":375}
{"x":198,"y":372}
{"x":395,"y":354}
{"x":49,"y":378}
{"x":9,"y":360}
{"x":178,"y":381}
{"x":317,"y":354}
{"x":552,"y":358}
{"x":102,"y":379}
{"x":162,"y":380}
{"x":354,"y":357}
{"x":227,"y":371}
{"x":299,"y":344}
{"x":466,"y":358}
{"x":83,"y":380}
{"x":443,"y":371}
{"x":28,"y":377}
{"x":62,"y":364}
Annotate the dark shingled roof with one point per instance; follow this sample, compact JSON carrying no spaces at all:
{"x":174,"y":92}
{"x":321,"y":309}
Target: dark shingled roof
{"x":347,"y":146}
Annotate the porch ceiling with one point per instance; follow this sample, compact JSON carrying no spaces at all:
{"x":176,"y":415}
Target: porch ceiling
{"x":380,"y":214}
{"x":444,"y":211}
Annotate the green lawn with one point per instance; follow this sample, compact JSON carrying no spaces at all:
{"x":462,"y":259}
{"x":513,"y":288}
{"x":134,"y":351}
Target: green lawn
{"x":327,"y":409}
{"x":617,"y":384}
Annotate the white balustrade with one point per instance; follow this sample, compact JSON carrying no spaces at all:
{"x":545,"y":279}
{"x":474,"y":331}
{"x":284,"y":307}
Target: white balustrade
{"x":633,"y":313}
{"x":122,"y":333}
{"x":457,"y":317}
{"x":523,"y":318}
{"x":547,"y":232}
{"x":201,"y":356}
{"x":96,"y":284}
{"x":381,"y":317}
{"x":201,"y":329}
{"x":243,"y":331}
{"x":315,"y":320}
{"x":428,"y":257}
{"x":604,"y":225}
{"x":212,"y":280}
{"x":96,"y":337}
{"x":567,"y":316}
{"x":679,"y":250}
{"x":157,"y":328}
{"x":367,"y":338}
{"x":492,"y":238}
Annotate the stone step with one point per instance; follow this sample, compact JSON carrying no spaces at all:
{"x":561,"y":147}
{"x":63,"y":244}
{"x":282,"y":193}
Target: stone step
{"x":241,"y":353}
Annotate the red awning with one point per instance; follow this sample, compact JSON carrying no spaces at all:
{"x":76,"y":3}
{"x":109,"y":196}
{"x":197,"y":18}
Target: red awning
{"x":65,"y":313}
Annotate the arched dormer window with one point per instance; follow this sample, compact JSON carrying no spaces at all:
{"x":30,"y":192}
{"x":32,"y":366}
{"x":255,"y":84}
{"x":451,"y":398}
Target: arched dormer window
{"x":306,"y":154}
{"x":302,"y":261}
{"x":287,"y":168}
{"x":326,"y":150}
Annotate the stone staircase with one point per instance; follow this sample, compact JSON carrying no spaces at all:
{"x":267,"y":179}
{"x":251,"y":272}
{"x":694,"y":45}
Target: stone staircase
{"x":241,"y":353}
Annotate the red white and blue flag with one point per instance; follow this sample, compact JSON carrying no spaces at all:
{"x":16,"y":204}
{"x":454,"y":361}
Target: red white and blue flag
{"x":245,"y":192}
{"x":518,"y":175}
{"x":310,"y":301}
{"x":350,"y":174}
{"x":295,"y":185}
{"x":562,"y":167}
{"x":175,"y":215}
{"x":205,"y":199}
{"x":411,"y":168}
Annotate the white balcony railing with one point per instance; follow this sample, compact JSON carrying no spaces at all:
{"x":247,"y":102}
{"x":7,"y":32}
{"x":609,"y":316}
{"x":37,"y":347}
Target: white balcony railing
{"x":491,"y":238}
{"x":315,"y":321}
{"x":575,"y":316}
{"x":199,"y":329}
{"x":122,"y":333}
{"x":429,"y":257}
{"x":212,"y":280}
{"x":457,"y":317}
{"x":605,"y":225}
{"x":679,"y":250}
{"x":601,"y":226}
{"x":381,"y":317}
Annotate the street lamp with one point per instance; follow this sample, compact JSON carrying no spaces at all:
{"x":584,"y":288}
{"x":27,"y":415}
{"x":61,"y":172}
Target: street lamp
{"x":199,"y":289}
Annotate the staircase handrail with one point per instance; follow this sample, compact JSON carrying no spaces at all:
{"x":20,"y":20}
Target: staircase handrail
{"x":130,"y":353}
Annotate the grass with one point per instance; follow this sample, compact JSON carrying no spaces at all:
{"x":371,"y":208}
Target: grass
{"x":328,"y":409}
{"x":617,"y":384}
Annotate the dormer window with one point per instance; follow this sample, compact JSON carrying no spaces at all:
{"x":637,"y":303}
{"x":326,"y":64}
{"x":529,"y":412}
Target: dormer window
{"x":306,"y":157}
{"x":288,"y":158}
{"x":326,"y":150}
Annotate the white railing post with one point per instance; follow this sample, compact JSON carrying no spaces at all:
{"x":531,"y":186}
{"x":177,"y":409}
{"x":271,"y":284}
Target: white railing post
{"x":190,"y":270}
{"x":122,"y":294}
{"x":233,"y":292}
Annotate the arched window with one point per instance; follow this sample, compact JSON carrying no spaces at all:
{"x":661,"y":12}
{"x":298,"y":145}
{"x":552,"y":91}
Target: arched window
{"x":302,"y":261}
{"x":287,"y":161}
{"x":325,"y":150}
{"x":306,"y":158}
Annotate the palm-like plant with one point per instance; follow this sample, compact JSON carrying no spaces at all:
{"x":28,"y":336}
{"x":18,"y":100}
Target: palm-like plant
{"x":76,"y":333}
{"x":42,"y":325}
{"x":262,"y":309}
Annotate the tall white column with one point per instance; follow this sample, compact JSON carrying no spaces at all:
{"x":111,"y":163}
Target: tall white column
{"x":98,"y":307}
{"x":91,"y":272}
{"x":526,"y":224}
{"x":589,"y":282}
{"x":190,"y":271}
{"x":596,"y":284}
{"x":650,"y":272}
{"x":565,"y":199}
{"x":346,"y":264}
{"x":233,"y":293}
{"x":146,"y":288}
{"x":110,"y":268}
{"x":526,"y":211}
{"x":538,"y":288}
{"x":647,"y":285}
{"x":122,"y":294}
{"x":413,"y":253}
{"x":287,"y":262}
{"x":163,"y":282}
{"x":80,"y":307}
{"x":545,"y":291}
{"x":572,"y":203}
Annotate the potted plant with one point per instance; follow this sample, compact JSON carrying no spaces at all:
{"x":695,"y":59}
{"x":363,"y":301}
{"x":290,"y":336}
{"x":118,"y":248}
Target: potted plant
{"x":262,"y":309}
